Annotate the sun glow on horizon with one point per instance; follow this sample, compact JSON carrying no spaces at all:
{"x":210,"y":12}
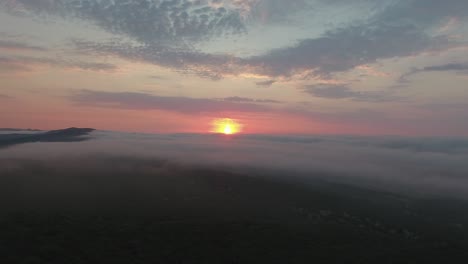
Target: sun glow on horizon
{"x":227,"y":130}
{"x":226,"y":126}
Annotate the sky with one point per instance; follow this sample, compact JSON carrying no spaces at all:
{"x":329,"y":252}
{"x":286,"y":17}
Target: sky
{"x":276,"y":67}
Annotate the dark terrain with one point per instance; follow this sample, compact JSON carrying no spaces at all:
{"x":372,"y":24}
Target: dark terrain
{"x":72,"y":134}
{"x":122,"y":210}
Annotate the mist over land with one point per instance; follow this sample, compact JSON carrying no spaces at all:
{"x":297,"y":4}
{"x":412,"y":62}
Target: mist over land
{"x":196,"y":198}
{"x":428,"y":166}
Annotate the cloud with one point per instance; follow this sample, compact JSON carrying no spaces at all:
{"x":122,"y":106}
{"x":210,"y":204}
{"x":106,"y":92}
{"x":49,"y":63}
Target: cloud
{"x":398,"y":30}
{"x":342,"y":50}
{"x":5,"y":97}
{"x":164,"y":34}
{"x":336,"y":51}
{"x":277,"y":11}
{"x":157,"y":77}
{"x":266,"y":83}
{"x":8,"y":65}
{"x":304,"y":118}
{"x":25,"y":63}
{"x":425,"y":13}
{"x":91,"y":66}
{"x":143,"y":101}
{"x":238,"y":99}
{"x":457,"y":67}
{"x":344,"y":92}
{"x":180,"y":60}
{"x":169,"y":22}
{"x":447,"y":67}
{"x":19,"y":46}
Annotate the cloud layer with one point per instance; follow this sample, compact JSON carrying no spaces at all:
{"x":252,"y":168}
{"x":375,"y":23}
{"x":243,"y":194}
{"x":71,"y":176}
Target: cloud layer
{"x":5,"y":97}
{"x":449,"y":67}
{"x":429,"y":166}
{"x":186,"y":105}
{"x":19,"y":46}
{"x":344,"y":92}
{"x":27,"y":63}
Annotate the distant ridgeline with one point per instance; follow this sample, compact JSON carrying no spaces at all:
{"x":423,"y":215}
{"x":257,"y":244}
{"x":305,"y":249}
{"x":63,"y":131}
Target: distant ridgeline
{"x":18,"y":129}
{"x":63,"y":135}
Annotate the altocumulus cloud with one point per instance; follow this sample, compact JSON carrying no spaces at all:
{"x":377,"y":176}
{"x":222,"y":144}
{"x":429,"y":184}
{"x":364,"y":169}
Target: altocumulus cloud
{"x":147,"y":21}
{"x":213,"y":66}
{"x":336,"y":51}
{"x":163,"y":28}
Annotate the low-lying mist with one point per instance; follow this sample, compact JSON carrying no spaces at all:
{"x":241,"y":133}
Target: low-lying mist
{"x":182,"y":198}
{"x":431,"y":166}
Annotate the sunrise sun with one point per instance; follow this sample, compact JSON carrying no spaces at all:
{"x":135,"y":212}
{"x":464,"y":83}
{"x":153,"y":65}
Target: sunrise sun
{"x":226,"y":126}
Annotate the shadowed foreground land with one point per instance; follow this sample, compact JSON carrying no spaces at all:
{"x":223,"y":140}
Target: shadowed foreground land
{"x":121,"y":210}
